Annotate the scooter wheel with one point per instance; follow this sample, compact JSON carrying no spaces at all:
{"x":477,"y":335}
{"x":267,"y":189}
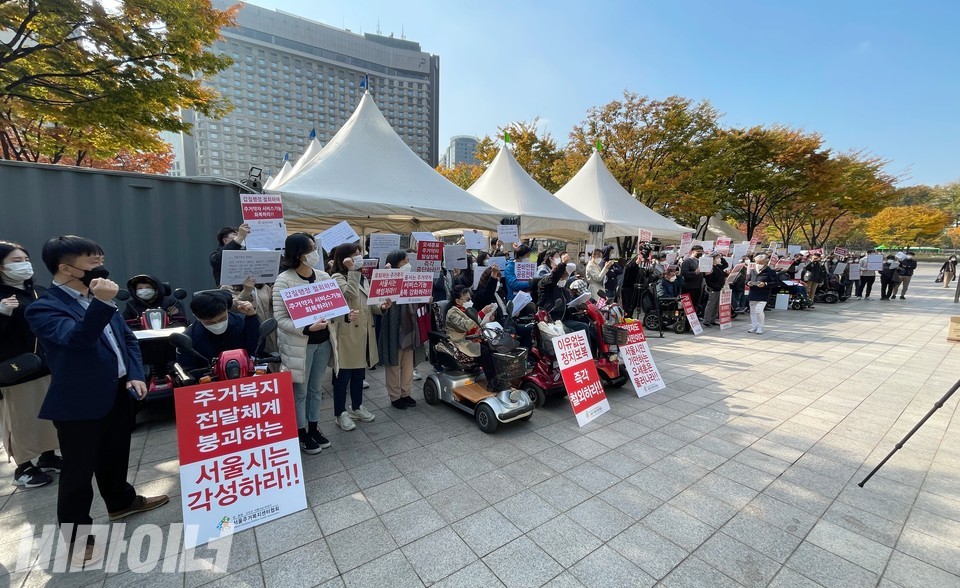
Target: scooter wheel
{"x":535,"y":393}
{"x":797,"y":305}
{"x":830,"y":298}
{"x":680,"y":326}
{"x":620,"y":380}
{"x":486,"y":419}
{"x":431,"y":394}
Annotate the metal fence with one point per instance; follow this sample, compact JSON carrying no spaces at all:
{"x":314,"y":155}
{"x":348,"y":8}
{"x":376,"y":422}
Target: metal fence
{"x":146,"y":224}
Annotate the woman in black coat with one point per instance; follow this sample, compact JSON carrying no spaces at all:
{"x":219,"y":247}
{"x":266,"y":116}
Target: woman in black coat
{"x":761,"y":281}
{"x":25,"y":437}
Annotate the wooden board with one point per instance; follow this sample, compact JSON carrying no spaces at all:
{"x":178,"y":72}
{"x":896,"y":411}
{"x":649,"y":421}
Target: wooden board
{"x":472,"y":393}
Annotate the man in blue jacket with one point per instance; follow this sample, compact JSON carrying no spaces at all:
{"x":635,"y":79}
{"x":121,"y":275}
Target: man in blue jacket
{"x":96,"y":373}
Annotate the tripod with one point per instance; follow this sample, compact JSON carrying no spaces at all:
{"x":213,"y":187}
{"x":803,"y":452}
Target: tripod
{"x":899,"y":445}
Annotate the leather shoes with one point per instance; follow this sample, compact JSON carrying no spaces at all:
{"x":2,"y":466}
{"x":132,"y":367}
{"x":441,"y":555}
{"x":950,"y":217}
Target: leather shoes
{"x":140,"y":504}
{"x":410,"y":401}
{"x":86,"y":555}
{"x":399,"y":403}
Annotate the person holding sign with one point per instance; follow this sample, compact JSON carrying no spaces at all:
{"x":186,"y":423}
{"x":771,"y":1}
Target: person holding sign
{"x":761,"y":279}
{"x":304,"y":352}
{"x":596,"y":272}
{"x":227,"y":238}
{"x":515,"y":284}
{"x":868,"y":278}
{"x":459,"y":326}
{"x":398,"y":343}
{"x":355,"y":338}
{"x":714,"y":281}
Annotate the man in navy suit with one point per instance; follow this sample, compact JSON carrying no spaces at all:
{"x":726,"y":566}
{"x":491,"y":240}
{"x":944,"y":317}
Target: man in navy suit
{"x":96,"y":373}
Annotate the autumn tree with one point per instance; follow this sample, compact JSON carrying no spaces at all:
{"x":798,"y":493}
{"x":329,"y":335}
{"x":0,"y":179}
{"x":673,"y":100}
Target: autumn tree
{"x":762,"y":168}
{"x":80,"y":80}
{"x":906,"y":226}
{"x":655,"y":148}
{"x":535,"y":150}
{"x":462,"y":174}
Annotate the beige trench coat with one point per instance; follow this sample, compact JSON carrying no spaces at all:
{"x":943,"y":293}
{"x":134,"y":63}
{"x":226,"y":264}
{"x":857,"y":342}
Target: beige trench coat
{"x":357,"y":340}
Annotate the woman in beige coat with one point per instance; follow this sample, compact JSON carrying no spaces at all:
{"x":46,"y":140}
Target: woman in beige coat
{"x":304,"y":352}
{"x":356,"y":340}
{"x":597,"y":272}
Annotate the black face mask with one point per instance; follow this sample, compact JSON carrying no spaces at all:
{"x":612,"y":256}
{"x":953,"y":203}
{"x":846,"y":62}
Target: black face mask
{"x":92,"y":274}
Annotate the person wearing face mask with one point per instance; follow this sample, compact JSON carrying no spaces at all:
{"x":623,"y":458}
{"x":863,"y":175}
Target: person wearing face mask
{"x":459,"y":326}
{"x":596,"y":272}
{"x":304,"y":352}
{"x":356,"y":340}
{"x":96,"y":371}
{"x":761,"y":279}
{"x":551,"y":259}
{"x":692,"y":276}
{"x":25,"y":437}
{"x":147,"y":292}
{"x":714,"y":281}
{"x":398,"y":343}
{"x":522,"y":254}
{"x":229,"y":238}
{"x":949,"y":270}
{"x":217,"y":329}
{"x":907,"y":266}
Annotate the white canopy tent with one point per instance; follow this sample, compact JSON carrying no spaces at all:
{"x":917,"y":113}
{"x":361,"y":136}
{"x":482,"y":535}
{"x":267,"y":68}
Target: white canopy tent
{"x":281,"y":176}
{"x":367,"y":176}
{"x":717,"y":227}
{"x":507,"y":186}
{"x":596,"y":193}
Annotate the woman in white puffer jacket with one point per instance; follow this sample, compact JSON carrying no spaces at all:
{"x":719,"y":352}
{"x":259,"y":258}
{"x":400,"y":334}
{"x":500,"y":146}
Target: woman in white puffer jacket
{"x":304,"y":352}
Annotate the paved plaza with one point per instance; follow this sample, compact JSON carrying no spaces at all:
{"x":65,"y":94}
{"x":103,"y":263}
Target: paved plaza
{"x":742,"y":472}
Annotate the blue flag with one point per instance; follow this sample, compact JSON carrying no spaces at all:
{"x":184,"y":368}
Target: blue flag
{"x":286,"y":157}
{"x":313,"y":133}
{"x":364,"y":81}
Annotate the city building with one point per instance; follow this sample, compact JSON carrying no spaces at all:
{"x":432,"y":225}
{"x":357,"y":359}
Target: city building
{"x":462,"y":149}
{"x":291,"y":76}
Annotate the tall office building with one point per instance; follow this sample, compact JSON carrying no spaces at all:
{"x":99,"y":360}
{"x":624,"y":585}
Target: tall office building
{"x":292,"y":75}
{"x":462,"y":149}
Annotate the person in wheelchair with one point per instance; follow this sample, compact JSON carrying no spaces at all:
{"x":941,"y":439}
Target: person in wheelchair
{"x":461,"y":329}
{"x":148,"y":292}
{"x":669,"y":290}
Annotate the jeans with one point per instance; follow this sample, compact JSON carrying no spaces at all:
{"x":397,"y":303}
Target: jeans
{"x":354,"y":379}
{"x":308,"y":394}
{"x":886,"y":288}
{"x":865,"y":284}
{"x":737,"y":298}
{"x":756,"y":314}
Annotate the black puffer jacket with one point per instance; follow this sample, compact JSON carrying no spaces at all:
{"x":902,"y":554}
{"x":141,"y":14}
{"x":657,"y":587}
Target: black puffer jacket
{"x":135,"y":306}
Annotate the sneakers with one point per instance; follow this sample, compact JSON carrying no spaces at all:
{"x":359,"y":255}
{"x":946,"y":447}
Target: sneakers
{"x":365,"y":385}
{"x":399,"y":404}
{"x":759,"y":331}
{"x":416,"y":375}
{"x":307,"y":443}
{"x":140,"y":504}
{"x":410,"y":401}
{"x":752,"y":330}
{"x":314,"y":432}
{"x":31,"y":477}
{"x":903,"y":298}
{"x":857,"y":298}
{"x":345,"y":422}
{"x":50,"y":462}
{"x":361,"y":414}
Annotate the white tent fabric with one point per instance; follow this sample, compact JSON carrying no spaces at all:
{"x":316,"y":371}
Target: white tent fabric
{"x":281,"y":176}
{"x":595,"y":192}
{"x":368,"y":176}
{"x":507,"y":186}
{"x":313,"y":149}
{"x":717,"y":227}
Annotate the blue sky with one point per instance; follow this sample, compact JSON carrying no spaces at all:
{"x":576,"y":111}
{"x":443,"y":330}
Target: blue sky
{"x":876,"y":75}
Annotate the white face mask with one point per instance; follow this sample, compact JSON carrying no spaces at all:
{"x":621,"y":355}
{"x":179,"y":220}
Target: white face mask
{"x":556,"y":260}
{"x":406,"y":267}
{"x":19,"y":271}
{"x":357,"y":262}
{"x":313,"y":258}
{"x":672,"y":279}
{"x":218,"y":328}
{"x":146,"y":293}
{"x":468,"y":304}
{"x":571,"y":268}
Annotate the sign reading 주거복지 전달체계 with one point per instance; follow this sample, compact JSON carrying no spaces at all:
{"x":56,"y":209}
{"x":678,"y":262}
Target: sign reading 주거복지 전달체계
{"x":580,"y":377}
{"x":239,"y":455}
{"x":638,"y":361}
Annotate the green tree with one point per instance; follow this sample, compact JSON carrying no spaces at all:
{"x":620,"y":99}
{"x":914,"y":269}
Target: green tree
{"x":536,"y":151}
{"x":907,"y":226}
{"x":77,"y":78}
{"x":657,"y":149}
